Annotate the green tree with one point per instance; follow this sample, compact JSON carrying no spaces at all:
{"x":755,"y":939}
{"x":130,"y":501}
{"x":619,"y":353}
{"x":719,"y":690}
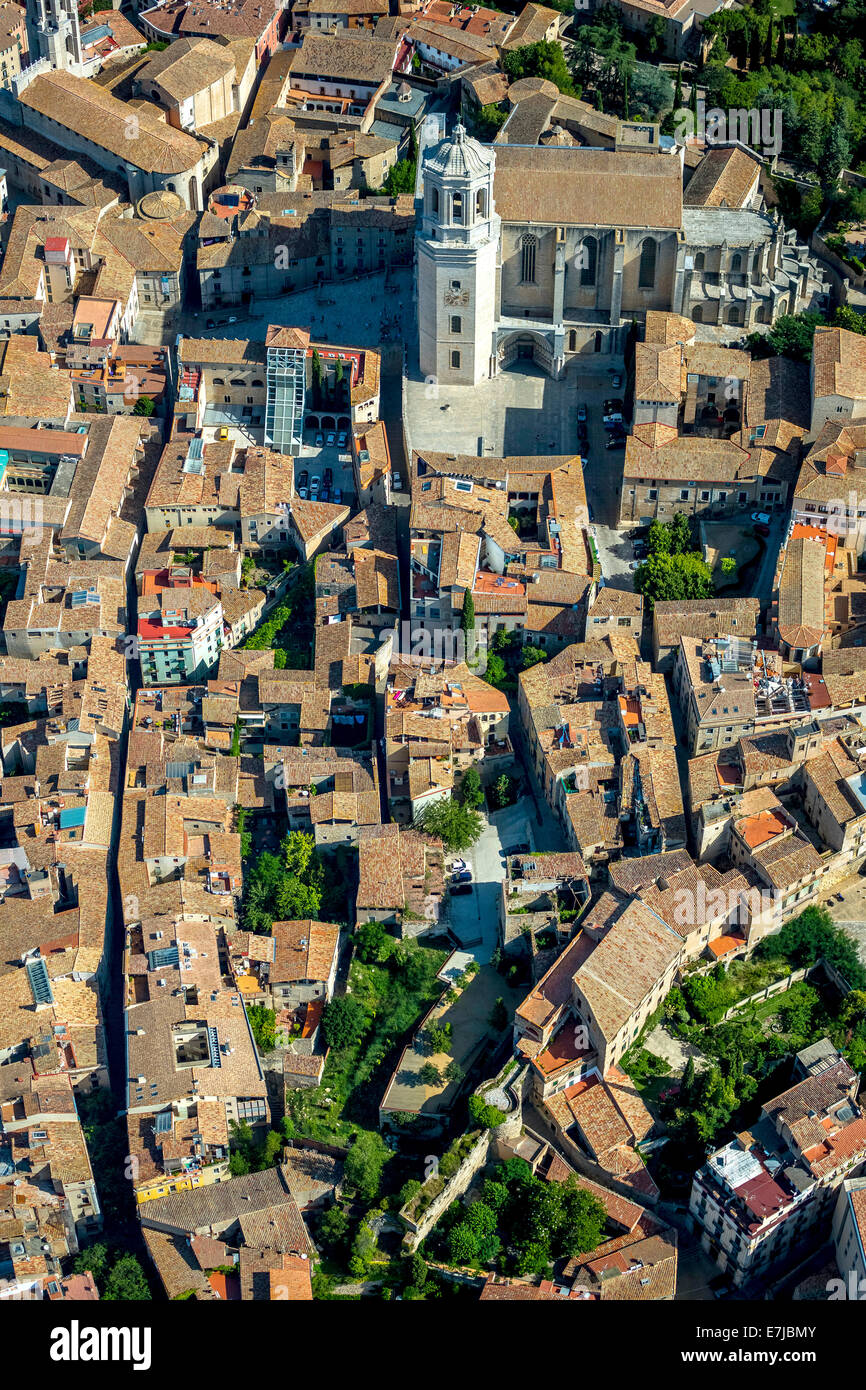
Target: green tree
{"x":655,"y":32}
{"x":544,"y":59}
{"x":458,"y":827}
{"x":484,"y":1115}
{"x":495,"y":673}
{"x":462,"y":1244}
{"x":370,"y":939}
{"x":126,"y":1282}
{"x":531,"y":656}
{"x":263,"y":1023}
{"x":429,"y":1075}
{"x":846,"y":317}
{"x":365,"y":1160}
{"x":467,"y":620}
{"x":489,"y":120}
{"x":335,"y":1227}
{"x":409,"y":1191}
{"x":791,"y":336}
{"x":400,"y":178}
{"x":498,"y":1017}
{"x":318,"y":374}
{"x":144,"y":406}
{"x":344,"y":1020}
{"x":502,"y":790}
{"x":93,"y":1260}
{"x":471,"y":794}
{"x":678,"y":89}
{"x":674,"y":577}
{"x":808,"y":937}
{"x":454,"y":1072}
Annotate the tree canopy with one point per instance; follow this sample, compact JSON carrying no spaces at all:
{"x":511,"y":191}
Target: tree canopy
{"x":544,"y":59}
{"x":674,"y":577}
{"x":458,"y":827}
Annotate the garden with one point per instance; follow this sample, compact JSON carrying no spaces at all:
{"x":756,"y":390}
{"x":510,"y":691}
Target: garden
{"x":748,"y":1056}
{"x":289,"y":629}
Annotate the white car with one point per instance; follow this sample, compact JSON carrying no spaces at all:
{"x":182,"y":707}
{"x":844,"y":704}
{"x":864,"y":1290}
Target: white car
{"x":762,"y":518}
{"x":395,"y":482}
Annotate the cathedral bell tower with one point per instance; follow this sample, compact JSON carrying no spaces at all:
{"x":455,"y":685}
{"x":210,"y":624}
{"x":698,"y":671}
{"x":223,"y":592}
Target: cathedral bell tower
{"x":53,"y":34}
{"x":457,"y":245}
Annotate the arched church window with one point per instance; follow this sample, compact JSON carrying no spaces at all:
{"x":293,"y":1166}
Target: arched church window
{"x":736,"y":262}
{"x":647,"y":274}
{"x":457,"y":207}
{"x":481,"y":203}
{"x":434,"y":202}
{"x":528,"y":248}
{"x":700,"y":261}
{"x":698,"y":313}
{"x":588,"y":260}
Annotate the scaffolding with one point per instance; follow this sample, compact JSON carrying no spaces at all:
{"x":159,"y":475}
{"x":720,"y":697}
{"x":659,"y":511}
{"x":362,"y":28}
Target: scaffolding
{"x":284,"y":411}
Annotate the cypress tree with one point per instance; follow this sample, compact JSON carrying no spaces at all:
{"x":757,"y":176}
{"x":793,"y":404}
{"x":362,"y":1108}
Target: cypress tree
{"x":678,"y":90}
{"x":467,"y":621}
{"x":781,"y":46}
{"x":625,"y":99}
{"x":688,"y":1081}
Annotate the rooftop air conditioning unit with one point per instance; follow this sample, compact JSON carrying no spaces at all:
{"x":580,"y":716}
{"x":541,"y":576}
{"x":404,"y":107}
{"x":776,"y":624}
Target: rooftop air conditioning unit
{"x":141,"y":1080}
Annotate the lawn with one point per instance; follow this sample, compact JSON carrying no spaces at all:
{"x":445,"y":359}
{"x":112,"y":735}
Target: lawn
{"x":355,"y":1078}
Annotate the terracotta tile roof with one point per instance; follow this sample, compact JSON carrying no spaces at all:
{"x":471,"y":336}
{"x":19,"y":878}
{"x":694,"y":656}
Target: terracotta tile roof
{"x":725,"y":178}
{"x":84,"y":106}
{"x":839,"y":363}
{"x":587,"y":186}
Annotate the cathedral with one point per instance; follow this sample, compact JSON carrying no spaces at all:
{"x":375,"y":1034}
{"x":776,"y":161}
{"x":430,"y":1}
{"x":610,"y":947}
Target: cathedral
{"x":545,"y":251}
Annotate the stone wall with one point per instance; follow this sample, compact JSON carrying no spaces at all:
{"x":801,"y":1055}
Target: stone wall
{"x":453,"y":1187}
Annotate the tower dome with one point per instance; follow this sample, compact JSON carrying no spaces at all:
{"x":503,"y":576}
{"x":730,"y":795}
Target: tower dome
{"x":459,"y":156}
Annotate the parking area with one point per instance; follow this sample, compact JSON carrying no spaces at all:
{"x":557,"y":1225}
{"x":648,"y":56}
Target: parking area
{"x":474,"y":917}
{"x":323,"y":470}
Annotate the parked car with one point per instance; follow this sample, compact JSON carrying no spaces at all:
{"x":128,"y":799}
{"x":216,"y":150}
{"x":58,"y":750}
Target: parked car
{"x":304,"y":478}
{"x":331,"y":440}
{"x":462,"y":876}
{"x":302,"y":493}
{"x":211,"y":323}
{"x":763,"y":518}
{"x":222,"y":432}
{"x":395,"y":482}
{"x":457,"y":864}
{"x":613,"y":405}
{"x":338,"y":496}
{"x":584,"y":457}
{"x":315,"y":484}
{"x":616,"y":381}
{"x":581,"y":413}
{"x":325,"y":494}
{"x":233,"y":319}
{"x":320,"y":439}
{"x":616,"y":441}
{"x":762,"y":530}
{"x":328,"y":476}
{"x":582,"y":431}
{"x":460,"y":888}
{"x":342,"y":439}
{"x":640,"y":550}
